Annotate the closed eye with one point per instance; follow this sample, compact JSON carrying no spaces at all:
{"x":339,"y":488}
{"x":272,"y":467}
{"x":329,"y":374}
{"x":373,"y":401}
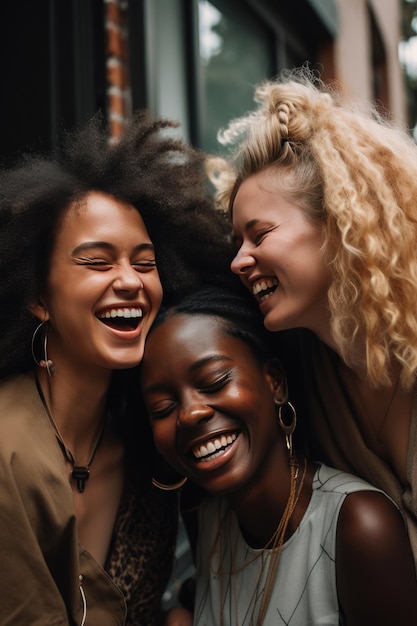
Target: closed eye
{"x":161,"y":410}
{"x":216,"y":385}
{"x":260,"y":236}
{"x":96,"y":263}
{"x":103,"y":264}
{"x":144,"y":266}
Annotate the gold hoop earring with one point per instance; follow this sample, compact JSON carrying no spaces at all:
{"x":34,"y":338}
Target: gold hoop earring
{"x":172,"y":487}
{"x":45,"y":362}
{"x":288,"y":429}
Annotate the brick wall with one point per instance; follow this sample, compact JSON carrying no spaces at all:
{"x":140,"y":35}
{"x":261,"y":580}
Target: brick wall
{"x":119,"y":100}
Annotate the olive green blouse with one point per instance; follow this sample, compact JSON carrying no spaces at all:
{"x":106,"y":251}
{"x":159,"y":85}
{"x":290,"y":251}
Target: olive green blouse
{"x":46,"y":576}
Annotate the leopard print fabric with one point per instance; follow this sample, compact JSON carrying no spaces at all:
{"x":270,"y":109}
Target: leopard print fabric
{"x":142,"y":552}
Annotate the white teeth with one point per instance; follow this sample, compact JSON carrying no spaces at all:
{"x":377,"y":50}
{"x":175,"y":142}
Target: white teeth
{"x":214,"y":448}
{"x":263,"y":285}
{"x":123,"y":313}
{"x":212,"y":456}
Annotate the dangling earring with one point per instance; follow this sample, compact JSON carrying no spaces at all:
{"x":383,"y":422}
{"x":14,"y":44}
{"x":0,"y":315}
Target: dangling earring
{"x":288,"y":429}
{"x":169,"y":477}
{"x":45,"y":362}
{"x":172,"y":487}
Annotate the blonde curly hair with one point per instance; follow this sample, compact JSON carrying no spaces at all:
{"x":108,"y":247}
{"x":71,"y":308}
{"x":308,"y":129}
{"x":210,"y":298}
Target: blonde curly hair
{"x":355,"y":175}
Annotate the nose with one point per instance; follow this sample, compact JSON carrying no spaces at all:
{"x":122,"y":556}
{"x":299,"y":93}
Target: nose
{"x":192,"y":412}
{"x":242,"y":262}
{"x":128,"y":279}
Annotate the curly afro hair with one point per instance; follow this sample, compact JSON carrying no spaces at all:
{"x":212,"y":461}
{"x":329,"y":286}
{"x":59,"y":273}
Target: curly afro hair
{"x":150,"y":168}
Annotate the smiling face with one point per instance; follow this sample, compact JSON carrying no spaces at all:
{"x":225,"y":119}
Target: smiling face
{"x":103,"y":290}
{"x":211,"y":404}
{"x":280,"y":258}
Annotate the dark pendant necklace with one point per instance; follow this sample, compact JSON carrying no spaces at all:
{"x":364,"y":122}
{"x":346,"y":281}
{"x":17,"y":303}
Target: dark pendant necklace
{"x":80,"y":473}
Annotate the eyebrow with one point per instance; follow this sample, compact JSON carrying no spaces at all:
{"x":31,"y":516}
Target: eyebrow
{"x":209,"y":359}
{"x":91,"y":245}
{"x":247,"y":226}
{"x":195,"y":367}
{"x":251,"y":223}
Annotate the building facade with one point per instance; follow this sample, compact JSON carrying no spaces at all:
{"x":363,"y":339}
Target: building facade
{"x":195,"y":61}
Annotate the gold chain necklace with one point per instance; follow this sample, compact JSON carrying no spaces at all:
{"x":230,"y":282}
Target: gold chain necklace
{"x":79,"y":473}
{"x":274,"y":545}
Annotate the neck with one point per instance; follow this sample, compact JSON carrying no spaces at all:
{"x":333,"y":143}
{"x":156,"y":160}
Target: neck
{"x":78,"y":408}
{"x":260,"y":509}
{"x":321,"y":325}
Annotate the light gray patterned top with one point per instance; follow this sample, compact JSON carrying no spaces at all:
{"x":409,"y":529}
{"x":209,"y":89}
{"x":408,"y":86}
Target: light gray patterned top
{"x":305,"y":588}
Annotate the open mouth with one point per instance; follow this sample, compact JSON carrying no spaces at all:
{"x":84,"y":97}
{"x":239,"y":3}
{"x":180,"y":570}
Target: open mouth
{"x":263,"y":289}
{"x":121,"y":319}
{"x":212,"y":448}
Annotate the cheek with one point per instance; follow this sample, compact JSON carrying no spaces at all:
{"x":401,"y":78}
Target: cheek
{"x":164,"y":437}
{"x":154,"y":290}
{"x":165,"y":443}
{"x":309,"y":266}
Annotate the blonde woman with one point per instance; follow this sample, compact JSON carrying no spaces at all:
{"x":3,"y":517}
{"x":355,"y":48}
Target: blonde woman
{"x":322,"y":195}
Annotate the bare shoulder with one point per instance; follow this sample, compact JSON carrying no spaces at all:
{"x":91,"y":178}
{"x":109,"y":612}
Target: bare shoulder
{"x":370,"y":515}
{"x":376,"y":577}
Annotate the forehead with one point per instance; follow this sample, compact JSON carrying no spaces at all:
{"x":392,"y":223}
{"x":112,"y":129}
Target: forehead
{"x":183,"y":346}
{"x":185,"y":328}
{"x":259,"y":193}
{"x":101,"y":208}
{"x":270,"y":180}
{"x":192,"y":336}
{"x":98,"y":216}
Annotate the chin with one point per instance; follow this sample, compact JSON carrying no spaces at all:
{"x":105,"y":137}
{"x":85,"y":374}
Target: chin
{"x":127,"y":361}
{"x":273,"y":325}
{"x":221,"y":487}
{"x":124,"y":366}
{"x":277,"y":324}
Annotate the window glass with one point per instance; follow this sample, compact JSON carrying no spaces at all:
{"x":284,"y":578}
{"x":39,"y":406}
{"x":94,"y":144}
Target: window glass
{"x":236,"y":52}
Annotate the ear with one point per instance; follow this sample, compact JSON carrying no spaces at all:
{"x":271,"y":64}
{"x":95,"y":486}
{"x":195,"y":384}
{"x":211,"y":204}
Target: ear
{"x":276,"y":380}
{"x":39,"y":310}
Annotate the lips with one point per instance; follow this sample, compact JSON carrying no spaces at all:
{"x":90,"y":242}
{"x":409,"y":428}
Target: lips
{"x":126,"y":318}
{"x":215,"y":447}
